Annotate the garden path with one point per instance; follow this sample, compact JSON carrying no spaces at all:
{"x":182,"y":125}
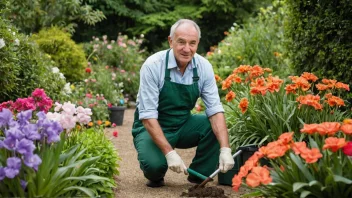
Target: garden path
{"x":131,"y":182}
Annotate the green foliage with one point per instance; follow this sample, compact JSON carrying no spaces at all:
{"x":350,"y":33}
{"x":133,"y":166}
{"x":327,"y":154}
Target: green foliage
{"x":257,"y":42}
{"x":24,"y":67}
{"x":155,"y":17}
{"x":95,"y":144}
{"x":69,"y":56}
{"x":319,"y":37}
{"x":32,"y":15}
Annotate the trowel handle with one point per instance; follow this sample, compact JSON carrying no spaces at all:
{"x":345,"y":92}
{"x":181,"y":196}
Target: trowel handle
{"x":194,"y":173}
{"x":218,"y":170}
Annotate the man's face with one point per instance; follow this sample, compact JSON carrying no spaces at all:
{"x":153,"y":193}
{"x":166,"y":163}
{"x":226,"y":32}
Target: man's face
{"x":184,"y":43}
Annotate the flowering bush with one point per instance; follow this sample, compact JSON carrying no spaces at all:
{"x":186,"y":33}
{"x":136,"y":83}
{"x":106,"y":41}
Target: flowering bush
{"x":318,"y":167}
{"x":261,"y":106}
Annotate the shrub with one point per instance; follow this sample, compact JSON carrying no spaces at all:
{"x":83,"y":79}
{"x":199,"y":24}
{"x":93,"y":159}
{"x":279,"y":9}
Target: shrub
{"x":24,"y":67}
{"x":69,"y":56}
{"x":95,"y":143}
{"x":319,"y":37}
{"x":257,"y":42}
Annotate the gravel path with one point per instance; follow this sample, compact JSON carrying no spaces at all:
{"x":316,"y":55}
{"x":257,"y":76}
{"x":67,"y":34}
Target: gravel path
{"x":131,"y":182}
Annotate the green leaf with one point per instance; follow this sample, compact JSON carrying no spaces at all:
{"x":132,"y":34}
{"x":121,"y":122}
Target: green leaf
{"x":301,"y":166}
{"x":305,"y":194}
{"x":84,"y":178}
{"x":298,"y":185}
{"x":87,"y":191}
{"x":338,"y":178}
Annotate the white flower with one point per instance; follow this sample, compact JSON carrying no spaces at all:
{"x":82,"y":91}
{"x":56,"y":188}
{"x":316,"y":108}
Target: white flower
{"x":9,"y":30}
{"x":17,"y":42}
{"x":121,"y":90}
{"x":142,"y":35}
{"x":121,"y":84}
{"x":55,"y":70}
{"x":62,"y":76}
{"x":2,"y":43}
{"x":14,"y":33}
{"x":67,"y":88}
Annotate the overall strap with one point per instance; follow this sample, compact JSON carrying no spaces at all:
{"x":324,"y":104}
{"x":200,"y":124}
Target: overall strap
{"x":195,"y":72}
{"x":167,"y":71}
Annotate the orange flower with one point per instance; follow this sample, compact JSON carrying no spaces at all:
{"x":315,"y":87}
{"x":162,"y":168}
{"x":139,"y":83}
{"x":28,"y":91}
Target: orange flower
{"x":242,"y":69}
{"x":347,"y":129}
{"x":299,"y":147}
{"x":310,"y":100}
{"x":329,"y":82}
{"x":347,"y":121}
{"x":328,"y":128}
{"x":253,"y":180}
{"x":268,"y":70}
{"x":277,"y":54}
{"x":286,"y":138}
{"x":243,"y":105}
{"x":256,"y":71}
{"x":226,"y":84}
{"x":230,"y":96}
{"x":217,"y":78}
{"x":334,"y":143}
{"x":291,"y":88}
{"x":309,"y":76}
{"x":301,"y":83}
{"x":263,"y":174}
{"x":236,"y":182}
{"x":78,"y":127}
{"x":311,"y":155}
{"x":335,"y":101}
{"x":309,"y":128}
{"x":99,"y":122}
{"x":340,"y":85}
{"x":273,"y":83}
{"x":321,"y":87}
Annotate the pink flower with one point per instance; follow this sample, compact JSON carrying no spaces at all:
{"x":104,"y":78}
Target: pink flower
{"x":347,"y":150}
{"x":113,"y":125}
{"x":88,"y":95}
{"x":122,"y":71}
{"x":109,"y":47}
{"x":115,"y":133}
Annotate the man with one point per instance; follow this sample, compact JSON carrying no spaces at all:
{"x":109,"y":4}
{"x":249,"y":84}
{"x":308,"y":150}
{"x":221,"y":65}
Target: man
{"x":170,"y":83}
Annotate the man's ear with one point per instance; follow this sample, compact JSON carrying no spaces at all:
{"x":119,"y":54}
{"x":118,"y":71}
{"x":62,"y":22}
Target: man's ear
{"x":170,"y":41}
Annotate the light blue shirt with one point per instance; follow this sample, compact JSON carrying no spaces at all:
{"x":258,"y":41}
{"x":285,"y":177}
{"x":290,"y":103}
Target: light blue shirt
{"x":152,"y":76}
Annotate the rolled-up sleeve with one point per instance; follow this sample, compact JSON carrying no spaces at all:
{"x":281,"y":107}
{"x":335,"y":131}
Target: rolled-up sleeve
{"x":148,"y":93}
{"x":209,"y":93}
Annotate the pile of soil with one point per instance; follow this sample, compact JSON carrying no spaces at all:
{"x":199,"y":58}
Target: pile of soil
{"x":204,"y":192}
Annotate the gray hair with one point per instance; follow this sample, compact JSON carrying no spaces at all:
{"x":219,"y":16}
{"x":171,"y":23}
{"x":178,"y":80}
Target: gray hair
{"x":180,"y":22}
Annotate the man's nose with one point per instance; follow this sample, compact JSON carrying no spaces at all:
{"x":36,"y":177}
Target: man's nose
{"x":187,"y":48}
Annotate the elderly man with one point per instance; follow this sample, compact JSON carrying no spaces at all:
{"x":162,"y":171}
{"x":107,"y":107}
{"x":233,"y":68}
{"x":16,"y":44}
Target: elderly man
{"x":171,"y":81}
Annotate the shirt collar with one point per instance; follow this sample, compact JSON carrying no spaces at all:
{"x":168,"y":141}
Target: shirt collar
{"x":173,"y":64}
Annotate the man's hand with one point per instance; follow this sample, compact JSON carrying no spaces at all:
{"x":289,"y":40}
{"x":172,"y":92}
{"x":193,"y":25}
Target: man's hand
{"x":175,"y":162}
{"x":226,"y":159}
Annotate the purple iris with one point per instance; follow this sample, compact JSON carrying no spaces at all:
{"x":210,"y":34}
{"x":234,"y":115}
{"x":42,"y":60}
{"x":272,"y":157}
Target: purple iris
{"x":25,"y":147}
{"x":10,"y":143}
{"x":32,"y":161}
{"x":51,"y":130}
{"x":2,"y":173}
{"x":24,"y":117}
{"x":31,"y":132}
{"x":5,"y":117}
{"x":13,"y":167}
{"x":23,"y":184}
{"x":14,"y":132}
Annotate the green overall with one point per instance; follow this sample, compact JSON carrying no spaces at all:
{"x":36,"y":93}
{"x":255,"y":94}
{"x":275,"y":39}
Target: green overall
{"x":180,"y":127}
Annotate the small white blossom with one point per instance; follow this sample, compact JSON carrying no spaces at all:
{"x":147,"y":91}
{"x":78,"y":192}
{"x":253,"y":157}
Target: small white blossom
{"x":14,"y":33}
{"x":67,"y":88}
{"x":121,"y":84}
{"x":55,"y":70}
{"x":17,"y":42}
{"x":62,"y":76}
{"x":2,"y":43}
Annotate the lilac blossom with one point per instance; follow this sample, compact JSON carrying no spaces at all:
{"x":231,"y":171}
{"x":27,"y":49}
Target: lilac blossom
{"x":5,"y":117}
{"x":23,"y":184}
{"x":25,"y":147}
{"x":13,"y":167}
{"x":32,"y":161}
{"x":24,"y":117}
{"x":2,"y":173}
{"x":30,"y":131}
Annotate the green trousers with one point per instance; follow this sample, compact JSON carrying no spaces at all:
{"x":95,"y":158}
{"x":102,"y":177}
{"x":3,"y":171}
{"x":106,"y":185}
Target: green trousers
{"x":196,"y":131}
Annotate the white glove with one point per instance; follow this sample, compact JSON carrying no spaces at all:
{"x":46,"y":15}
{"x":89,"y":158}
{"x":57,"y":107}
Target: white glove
{"x":175,"y":162}
{"x":225,"y":159}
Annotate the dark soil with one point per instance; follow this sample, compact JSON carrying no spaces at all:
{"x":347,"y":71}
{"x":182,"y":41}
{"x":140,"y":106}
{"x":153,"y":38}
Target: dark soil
{"x":204,"y":192}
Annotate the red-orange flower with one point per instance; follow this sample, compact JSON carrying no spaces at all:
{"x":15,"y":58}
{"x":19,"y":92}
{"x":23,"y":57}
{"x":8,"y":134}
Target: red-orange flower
{"x":346,"y":129}
{"x":88,"y":70}
{"x":286,"y":138}
{"x":291,"y":88}
{"x":347,"y":121}
{"x":334,"y":143}
{"x":230,"y":96}
{"x":236,"y":182}
{"x":340,"y":85}
{"x":321,"y":87}
{"x":226,"y":84}
{"x":328,"y":128}
{"x":243,"y":105}
{"x":335,"y":101}
{"x":299,"y":147}
{"x":311,"y":155}
{"x":217,"y":78}
{"x":242,"y":69}
{"x":309,"y":76}
{"x":309,"y":128}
